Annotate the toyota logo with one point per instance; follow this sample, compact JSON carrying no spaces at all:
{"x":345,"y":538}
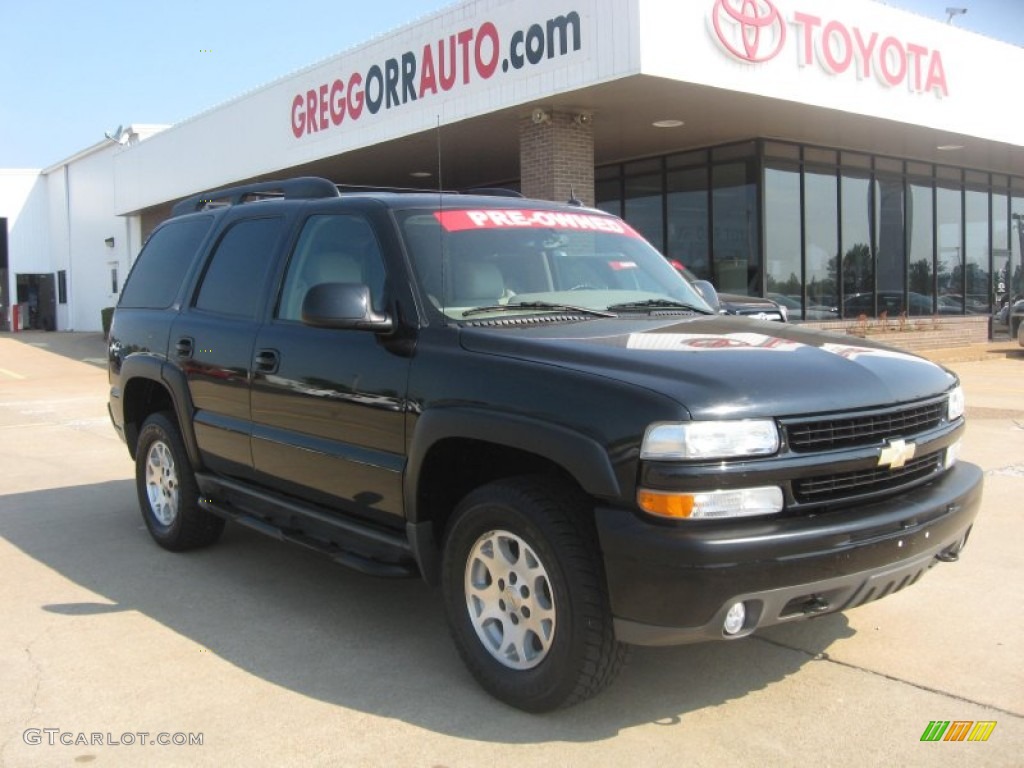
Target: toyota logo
{"x":752,"y":30}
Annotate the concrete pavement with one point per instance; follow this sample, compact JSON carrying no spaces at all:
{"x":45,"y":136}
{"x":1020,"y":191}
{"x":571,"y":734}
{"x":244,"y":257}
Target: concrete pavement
{"x":277,"y":657}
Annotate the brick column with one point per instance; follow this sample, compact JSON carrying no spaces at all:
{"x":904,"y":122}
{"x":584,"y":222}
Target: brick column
{"x":556,"y":158}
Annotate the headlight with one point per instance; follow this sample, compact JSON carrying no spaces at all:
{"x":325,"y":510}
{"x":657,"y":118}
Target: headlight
{"x":698,"y":440}
{"x":711,"y":505}
{"x":956,"y":403}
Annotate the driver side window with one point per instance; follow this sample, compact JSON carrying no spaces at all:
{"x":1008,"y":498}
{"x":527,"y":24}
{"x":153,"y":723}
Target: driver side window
{"x":332,"y":248}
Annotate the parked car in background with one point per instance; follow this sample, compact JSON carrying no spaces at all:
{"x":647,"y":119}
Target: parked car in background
{"x":754,"y":307}
{"x":1016,"y":318}
{"x":796,"y":310}
{"x":892,"y":303}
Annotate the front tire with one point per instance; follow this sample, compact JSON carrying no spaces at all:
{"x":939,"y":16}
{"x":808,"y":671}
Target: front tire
{"x":166,"y":485}
{"x":525,"y":594}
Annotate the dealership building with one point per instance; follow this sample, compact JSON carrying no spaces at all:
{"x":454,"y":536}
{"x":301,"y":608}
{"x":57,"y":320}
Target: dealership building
{"x":849,"y":159}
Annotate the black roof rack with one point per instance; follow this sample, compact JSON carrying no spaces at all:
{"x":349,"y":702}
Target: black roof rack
{"x":304,"y":187}
{"x":493,"y":192}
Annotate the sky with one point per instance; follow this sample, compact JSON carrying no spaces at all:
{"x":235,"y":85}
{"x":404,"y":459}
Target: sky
{"x":72,"y":70}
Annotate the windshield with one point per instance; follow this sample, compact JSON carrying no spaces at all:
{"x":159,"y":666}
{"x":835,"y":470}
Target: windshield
{"x":470,"y":263}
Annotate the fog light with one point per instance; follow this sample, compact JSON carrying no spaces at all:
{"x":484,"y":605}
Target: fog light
{"x":952,"y":454}
{"x":734,"y":619}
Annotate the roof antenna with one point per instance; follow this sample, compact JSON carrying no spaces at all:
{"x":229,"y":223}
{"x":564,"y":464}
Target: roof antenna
{"x":573,"y":200}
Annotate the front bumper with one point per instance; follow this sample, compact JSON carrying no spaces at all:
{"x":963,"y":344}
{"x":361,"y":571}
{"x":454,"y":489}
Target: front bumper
{"x":674,"y":583}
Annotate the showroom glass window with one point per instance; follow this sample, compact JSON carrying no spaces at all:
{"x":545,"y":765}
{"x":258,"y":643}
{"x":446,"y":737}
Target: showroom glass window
{"x":1016,"y":237}
{"x":688,"y":239}
{"x":643,"y":200}
{"x":821,"y":236}
{"x":608,"y":189}
{"x":977,"y":222}
{"x":857,"y":279}
{"x":949,"y":250}
{"x":782,"y":233}
{"x":890,"y":261}
{"x":921,"y":243}
{"x":735,"y":228}
{"x":1000,"y":241}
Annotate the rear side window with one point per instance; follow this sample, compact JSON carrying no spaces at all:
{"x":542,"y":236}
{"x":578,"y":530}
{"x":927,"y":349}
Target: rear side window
{"x":161,"y":267}
{"x":237,"y":273}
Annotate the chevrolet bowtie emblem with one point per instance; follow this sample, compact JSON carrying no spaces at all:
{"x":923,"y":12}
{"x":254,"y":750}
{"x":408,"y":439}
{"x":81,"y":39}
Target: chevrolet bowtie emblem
{"x":896,"y":453}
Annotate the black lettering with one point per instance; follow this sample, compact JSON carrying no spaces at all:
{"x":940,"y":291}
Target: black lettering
{"x":534,"y":44}
{"x":391,"y":82}
{"x":560,"y":25}
{"x":374,"y":90}
{"x":408,"y":76}
{"x":516,"y":53}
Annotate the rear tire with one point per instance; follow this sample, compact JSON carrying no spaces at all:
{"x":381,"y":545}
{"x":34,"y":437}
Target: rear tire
{"x":166,"y":485}
{"x":525,"y":594}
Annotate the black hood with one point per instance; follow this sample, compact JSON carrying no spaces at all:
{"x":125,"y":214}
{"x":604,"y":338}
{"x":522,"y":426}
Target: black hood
{"x":725,"y":367}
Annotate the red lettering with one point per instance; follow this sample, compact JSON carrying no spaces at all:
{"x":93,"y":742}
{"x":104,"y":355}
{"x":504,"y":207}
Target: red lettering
{"x":828,"y":37}
{"x":465,"y":37}
{"x":865,"y":51}
{"x":428,"y":80}
{"x":807,"y":23}
{"x":298,"y":117}
{"x":311,"y":125}
{"x":355,"y":96}
{"x":936,"y":75}
{"x":891,"y":54}
{"x":489,"y":32}
{"x":915,"y":53}
{"x":324,"y":125}
{"x":337,"y":101}
{"x":447,"y":78}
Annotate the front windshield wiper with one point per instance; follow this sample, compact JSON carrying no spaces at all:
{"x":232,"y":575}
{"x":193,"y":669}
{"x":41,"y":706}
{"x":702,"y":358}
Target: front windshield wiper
{"x":657,"y":304}
{"x":542,"y":305}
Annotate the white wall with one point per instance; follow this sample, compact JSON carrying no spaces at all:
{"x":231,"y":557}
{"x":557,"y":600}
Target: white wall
{"x":23,"y":204}
{"x":81,"y":205}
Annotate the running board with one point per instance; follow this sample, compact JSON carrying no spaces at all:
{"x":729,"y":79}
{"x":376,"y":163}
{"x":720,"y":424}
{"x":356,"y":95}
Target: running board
{"x":370,"y":550}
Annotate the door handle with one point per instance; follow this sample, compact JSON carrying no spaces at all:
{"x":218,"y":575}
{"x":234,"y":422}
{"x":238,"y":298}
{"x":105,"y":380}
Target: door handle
{"x":184,"y":347}
{"x":267,"y":360}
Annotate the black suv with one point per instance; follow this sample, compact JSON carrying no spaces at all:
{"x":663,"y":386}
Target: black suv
{"x":525,"y":403}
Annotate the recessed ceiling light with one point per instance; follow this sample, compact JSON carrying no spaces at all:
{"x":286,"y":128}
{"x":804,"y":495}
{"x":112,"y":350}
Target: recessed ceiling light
{"x":667,"y":123}
{"x":949,"y":147}
{"x":421,"y":174}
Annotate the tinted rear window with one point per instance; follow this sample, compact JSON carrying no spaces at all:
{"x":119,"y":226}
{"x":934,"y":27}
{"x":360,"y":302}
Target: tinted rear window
{"x":158,"y":272}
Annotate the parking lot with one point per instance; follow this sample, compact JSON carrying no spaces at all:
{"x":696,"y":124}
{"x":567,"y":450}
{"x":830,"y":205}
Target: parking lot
{"x":268,"y":655}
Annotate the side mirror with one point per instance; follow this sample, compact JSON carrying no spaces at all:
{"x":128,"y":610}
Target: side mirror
{"x":343,"y":305}
{"x":708,"y":293}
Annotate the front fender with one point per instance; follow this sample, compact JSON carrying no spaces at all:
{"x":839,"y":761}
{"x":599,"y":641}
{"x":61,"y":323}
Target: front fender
{"x":580,"y":455}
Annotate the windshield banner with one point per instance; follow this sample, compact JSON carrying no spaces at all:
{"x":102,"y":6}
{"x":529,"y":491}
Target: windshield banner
{"x":523,"y":218}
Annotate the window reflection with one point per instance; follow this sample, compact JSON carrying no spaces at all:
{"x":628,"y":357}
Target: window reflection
{"x":688,"y":240}
{"x":821,"y":234}
{"x":736,"y":243}
{"x":858,"y":258}
{"x":921,"y":255}
{"x":782,"y":238}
